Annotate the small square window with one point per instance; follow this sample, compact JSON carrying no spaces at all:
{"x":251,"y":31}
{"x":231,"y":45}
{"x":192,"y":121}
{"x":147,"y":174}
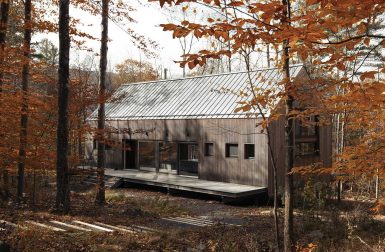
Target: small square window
{"x":249,"y":151}
{"x":209,"y":149}
{"x":231,"y":150}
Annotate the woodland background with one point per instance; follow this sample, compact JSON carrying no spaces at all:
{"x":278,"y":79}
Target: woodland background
{"x":341,"y":43}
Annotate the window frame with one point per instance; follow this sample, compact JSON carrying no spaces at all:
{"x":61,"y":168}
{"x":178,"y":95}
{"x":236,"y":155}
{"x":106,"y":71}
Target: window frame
{"x":312,"y":154}
{"x":245,"y":150}
{"x":207,"y":153}
{"x":313,"y":139}
{"x":227,"y":150}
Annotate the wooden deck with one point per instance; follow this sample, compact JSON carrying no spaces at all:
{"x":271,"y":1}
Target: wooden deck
{"x":225,"y":190}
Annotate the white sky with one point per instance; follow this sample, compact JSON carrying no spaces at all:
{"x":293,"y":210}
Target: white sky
{"x":148,"y":16}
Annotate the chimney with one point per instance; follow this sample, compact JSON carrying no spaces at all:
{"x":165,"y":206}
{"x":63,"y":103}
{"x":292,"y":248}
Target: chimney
{"x":165,"y":73}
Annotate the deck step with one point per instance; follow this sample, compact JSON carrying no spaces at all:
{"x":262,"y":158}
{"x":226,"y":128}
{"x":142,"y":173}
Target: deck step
{"x":200,"y":221}
{"x":38,"y":224}
{"x":94,"y":227}
{"x":116,"y":228}
{"x":139,"y":229}
{"x":66,"y":225}
{"x":190,"y":221}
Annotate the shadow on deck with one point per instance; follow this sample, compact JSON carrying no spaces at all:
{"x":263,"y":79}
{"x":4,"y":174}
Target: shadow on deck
{"x":228,"y":192}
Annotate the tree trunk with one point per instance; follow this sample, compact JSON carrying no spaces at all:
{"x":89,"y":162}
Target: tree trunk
{"x":289,"y":162}
{"x":24,"y":105}
{"x":271,"y":153}
{"x":377,"y":189}
{"x":3,"y":33}
{"x":62,"y":196}
{"x":289,"y":141}
{"x":100,"y":196}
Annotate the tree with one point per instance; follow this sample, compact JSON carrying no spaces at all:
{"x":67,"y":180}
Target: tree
{"x":100,"y":196}
{"x":131,"y":71}
{"x":289,"y":136}
{"x":24,"y":106}
{"x":4,"y":9}
{"x":48,"y":51}
{"x":62,"y":171}
{"x":259,"y":108}
{"x":3,"y":33}
{"x":178,"y":15}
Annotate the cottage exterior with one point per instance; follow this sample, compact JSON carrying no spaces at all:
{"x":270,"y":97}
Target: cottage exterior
{"x":188,"y":127}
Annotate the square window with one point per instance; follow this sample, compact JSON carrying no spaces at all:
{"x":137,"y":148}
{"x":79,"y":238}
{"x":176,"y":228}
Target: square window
{"x":249,"y":151}
{"x":231,"y":150}
{"x":209,"y":149}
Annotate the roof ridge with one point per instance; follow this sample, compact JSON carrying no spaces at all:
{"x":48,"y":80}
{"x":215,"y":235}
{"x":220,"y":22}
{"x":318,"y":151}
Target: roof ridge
{"x":207,"y":75}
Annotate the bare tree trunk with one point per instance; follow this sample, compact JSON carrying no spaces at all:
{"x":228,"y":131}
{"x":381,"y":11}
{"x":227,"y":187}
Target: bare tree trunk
{"x":100,"y":196}
{"x":377,"y":184}
{"x":268,"y":55}
{"x":341,"y":147}
{"x":337,"y":146}
{"x":271,"y":153}
{"x":3,"y":34}
{"x":63,"y":196}
{"x":24,"y":105}
{"x":289,"y":141}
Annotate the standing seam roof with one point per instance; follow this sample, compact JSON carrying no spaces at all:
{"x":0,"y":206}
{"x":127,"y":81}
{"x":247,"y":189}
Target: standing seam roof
{"x":210,"y":96}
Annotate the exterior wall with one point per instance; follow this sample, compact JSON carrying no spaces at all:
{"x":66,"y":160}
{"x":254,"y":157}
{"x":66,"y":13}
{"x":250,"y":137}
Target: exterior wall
{"x":217,"y":131}
{"x":257,"y":171}
{"x":278,"y":144}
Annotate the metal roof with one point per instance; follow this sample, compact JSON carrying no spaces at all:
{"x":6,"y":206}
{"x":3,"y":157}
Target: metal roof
{"x":210,"y":96}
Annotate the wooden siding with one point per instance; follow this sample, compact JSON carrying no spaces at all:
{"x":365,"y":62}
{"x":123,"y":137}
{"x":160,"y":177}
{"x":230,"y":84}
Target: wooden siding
{"x":217,"y":131}
{"x":278,"y":144}
{"x":256,"y":172}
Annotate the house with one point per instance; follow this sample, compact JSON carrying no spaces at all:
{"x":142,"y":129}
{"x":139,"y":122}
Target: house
{"x":188,"y":127}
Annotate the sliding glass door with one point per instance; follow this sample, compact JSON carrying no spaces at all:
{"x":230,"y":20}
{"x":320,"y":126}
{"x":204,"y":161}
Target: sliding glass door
{"x":188,"y":159}
{"x":148,"y":155}
{"x":168,"y":157}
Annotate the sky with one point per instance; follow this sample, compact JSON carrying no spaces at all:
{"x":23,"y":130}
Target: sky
{"x":148,"y":16}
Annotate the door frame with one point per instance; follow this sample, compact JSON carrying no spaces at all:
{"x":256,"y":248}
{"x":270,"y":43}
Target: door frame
{"x":136,"y":152}
{"x":179,"y":160}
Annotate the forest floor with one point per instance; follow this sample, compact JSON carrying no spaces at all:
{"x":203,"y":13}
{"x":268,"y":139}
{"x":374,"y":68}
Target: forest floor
{"x":148,"y":220}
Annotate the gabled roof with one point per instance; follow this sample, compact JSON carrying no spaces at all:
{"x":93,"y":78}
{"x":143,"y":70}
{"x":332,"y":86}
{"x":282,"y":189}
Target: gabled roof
{"x":189,"y":98}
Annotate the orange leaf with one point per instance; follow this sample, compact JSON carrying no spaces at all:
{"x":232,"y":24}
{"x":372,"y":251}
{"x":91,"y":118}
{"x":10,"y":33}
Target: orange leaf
{"x":311,"y":2}
{"x":368,"y":75}
{"x":236,"y":3}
